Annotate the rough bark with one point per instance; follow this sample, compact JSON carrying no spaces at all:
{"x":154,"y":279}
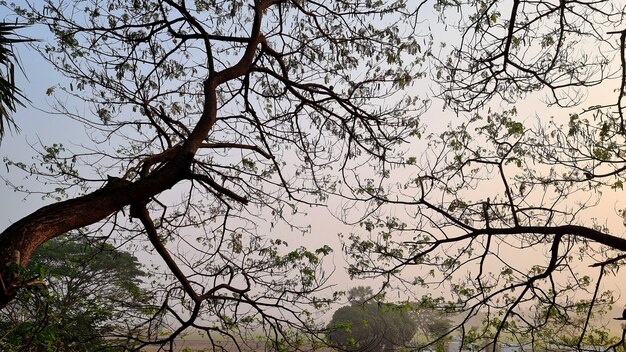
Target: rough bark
{"x":21,"y":239}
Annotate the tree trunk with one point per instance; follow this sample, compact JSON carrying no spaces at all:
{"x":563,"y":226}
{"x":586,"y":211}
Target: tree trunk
{"x":21,"y":239}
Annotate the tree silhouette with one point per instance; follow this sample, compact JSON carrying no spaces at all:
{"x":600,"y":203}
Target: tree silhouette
{"x":371,"y":325}
{"x":217,"y":124}
{"x":501,"y":210}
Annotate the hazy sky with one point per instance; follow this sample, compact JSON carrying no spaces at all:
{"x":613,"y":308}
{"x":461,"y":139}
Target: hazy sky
{"x":40,"y":127}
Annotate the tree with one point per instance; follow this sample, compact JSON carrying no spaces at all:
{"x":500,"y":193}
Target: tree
{"x":213,"y":124}
{"x":433,"y":325}
{"x":368,"y":325}
{"x":257,"y":110}
{"x":506,"y":213}
{"x":10,"y":94}
{"x":88,"y":296}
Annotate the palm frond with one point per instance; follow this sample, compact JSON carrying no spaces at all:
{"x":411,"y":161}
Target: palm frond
{"x":10,"y":95}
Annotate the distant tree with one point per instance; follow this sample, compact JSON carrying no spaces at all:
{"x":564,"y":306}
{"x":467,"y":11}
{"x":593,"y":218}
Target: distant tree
{"x":370,"y":325}
{"x":84,"y":298}
{"x":360,"y":294}
{"x":433,"y":325}
{"x":563,"y":331}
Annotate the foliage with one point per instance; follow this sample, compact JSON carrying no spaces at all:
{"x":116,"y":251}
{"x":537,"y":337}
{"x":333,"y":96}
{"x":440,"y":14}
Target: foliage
{"x":368,"y":325}
{"x":85,"y":297}
{"x":10,"y":94}
{"x":215,"y":127}
{"x":503,"y":213}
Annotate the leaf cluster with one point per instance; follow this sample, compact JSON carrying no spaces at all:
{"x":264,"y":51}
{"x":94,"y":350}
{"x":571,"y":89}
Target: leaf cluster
{"x":88,"y":294}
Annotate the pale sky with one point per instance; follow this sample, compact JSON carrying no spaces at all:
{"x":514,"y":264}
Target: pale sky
{"x":37,"y":126}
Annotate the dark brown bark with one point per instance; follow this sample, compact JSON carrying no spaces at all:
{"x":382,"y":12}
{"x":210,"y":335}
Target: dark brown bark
{"x":21,"y":239}
{"x":581,"y":232}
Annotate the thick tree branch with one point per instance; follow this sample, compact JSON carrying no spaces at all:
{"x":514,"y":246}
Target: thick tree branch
{"x":153,"y":236}
{"x":27,"y":234}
